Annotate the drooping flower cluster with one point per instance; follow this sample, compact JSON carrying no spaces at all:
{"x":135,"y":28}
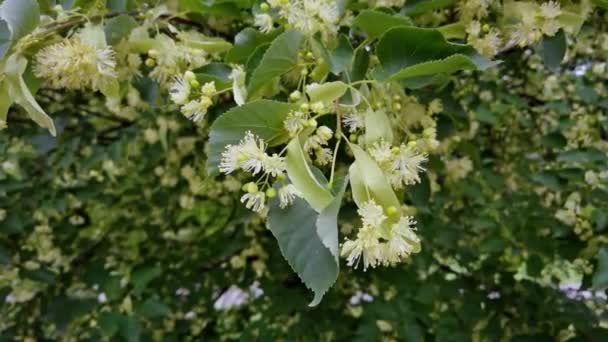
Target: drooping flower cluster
{"x":81,"y":62}
{"x":535,"y":22}
{"x":250,"y":156}
{"x":193,"y":98}
{"x":170,"y":57}
{"x":379,"y":242}
{"x":400,"y":164}
{"x":308,"y":16}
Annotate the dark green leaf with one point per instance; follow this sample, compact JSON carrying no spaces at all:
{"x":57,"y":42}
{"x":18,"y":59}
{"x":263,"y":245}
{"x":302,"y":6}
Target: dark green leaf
{"x":309,"y":241}
{"x":245,"y":43}
{"x":582,"y":156}
{"x":341,"y":58}
{"x":554,"y":50}
{"x":142,"y":276}
{"x":281,"y":57}
{"x":376,"y":23}
{"x":600,"y":277}
{"x":151,"y":309}
{"x":417,"y":7}
{"x":406,"y":52}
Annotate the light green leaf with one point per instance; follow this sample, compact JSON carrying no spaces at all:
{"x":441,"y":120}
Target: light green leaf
{"x":23,"y":16}
{"x":554,"y":50}
{"x":600,"y":277}
{"x":207,"y":44}
{"x":19,"y":92}
{"x":300,"y":174}
{"x":309,"y":241}
{"x":369,"y":175}
{"x":376,"y":23}
{"x":454,"y":30}
{"x":281,"y":57}
{"x":407,"y":52}
{"x":263,"y":118}
{"x":377,"y":127}
{"x":245,"y":43}
{"x":5,"y":101}
{"x":327,"y":92}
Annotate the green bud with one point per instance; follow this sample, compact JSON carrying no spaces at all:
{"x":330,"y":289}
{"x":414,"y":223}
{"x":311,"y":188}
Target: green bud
{"x":271,"y":193}
{"x":304,"y":72}
{"x":312,"y":123}
{"x":150,"y":62}
{"x":264,"y":7}
{"x":412,"y":144}
{"x":309,"y":55}
{"x":353,"y":138}
{"x":305,"y":107}
{"x":281,"y":177}
{"x":189,"y":76}
{"x":153,"y":53}
{"x":395,"y":150}
{"x":252,"y":187}
{"x":295,"y":96}
{"x":390,"y":211}
{"x":195,"y":84}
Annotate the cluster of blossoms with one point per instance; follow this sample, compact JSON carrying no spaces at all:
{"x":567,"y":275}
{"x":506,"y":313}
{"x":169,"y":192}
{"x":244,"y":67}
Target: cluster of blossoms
{"x":485,"y":40}
{"x":83,"y":61}
{"x":401,"y":164}
{"x":379,"y":242}
{"x":536,"y":21}
{"x":170,"y":57}
{"x":250,"y":156}
{"x":308,"y":16}
{"x":193,"y":98}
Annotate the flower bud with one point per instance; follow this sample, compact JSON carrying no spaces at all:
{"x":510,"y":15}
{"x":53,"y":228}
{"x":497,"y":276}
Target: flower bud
{"x":271,"y":193}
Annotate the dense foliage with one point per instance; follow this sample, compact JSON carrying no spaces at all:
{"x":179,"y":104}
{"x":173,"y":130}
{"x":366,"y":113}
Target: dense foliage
{"x":203,"y":165}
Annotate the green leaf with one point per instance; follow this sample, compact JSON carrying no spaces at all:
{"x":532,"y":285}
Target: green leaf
{"x":216,"y":72}
{"x":207,"y":44}
{"x":300,"y":174}
{"x":417,"y":7}
{"x":143,"y":276}
{"x":454,"y":30}
{"x":245,"y":43}
{"x":5,"y":101}
{"x":341,"y":58}
{"x":151,"y":309}
{"x":406,"y":52}
{"x":5,"y":38}
{"x":369,"y":182}
{"x":327,"y":223}
{"x":263,"y":118}
{"x":582,"y":156}
{"x":130,"y":330}
{"x":376,"y":23}
{"x":118,"y":28}
{"x":377,"y":127}
{"x":281,"y":57}
{"x":110,"y":322}
{"x":327,"y":92}
{"x":601,"y":3}
{"x":19,"y":92}
{"x":420,"y":193}
{"x":23,"y":16}
{"x":600,"y":277}
{"x":554,"y":50}
{"x":309,"y":241}
{"x":360,"y":65}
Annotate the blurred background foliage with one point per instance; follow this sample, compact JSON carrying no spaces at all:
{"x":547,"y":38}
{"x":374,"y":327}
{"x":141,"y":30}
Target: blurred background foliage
{"x":111,"y":231}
